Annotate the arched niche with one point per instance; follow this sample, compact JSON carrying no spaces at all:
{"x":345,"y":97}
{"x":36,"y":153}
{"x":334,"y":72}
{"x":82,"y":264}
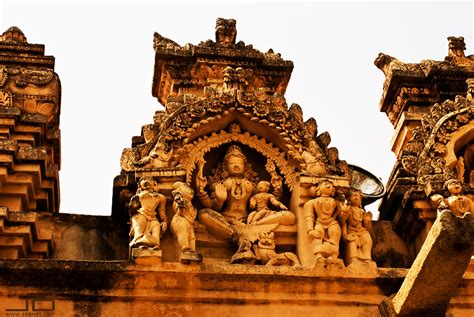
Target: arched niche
{"x":233,"y":133}
{"x":461,"y":146}
{"x":214,"y":158}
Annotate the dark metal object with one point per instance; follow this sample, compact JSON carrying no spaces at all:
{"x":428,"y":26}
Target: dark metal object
{"x":370,"y":186}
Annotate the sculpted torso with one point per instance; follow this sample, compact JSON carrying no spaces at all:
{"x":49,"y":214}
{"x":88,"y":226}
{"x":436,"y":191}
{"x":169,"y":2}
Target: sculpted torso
{"x":149,"y":202}
{"x":354,"y":219}
{"x":262,"y":200}
{"x":239,"y":192}
{"x":324,"y":208}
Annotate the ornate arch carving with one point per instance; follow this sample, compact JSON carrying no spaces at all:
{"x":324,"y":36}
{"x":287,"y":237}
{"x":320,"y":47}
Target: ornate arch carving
{"x":195,"y":151}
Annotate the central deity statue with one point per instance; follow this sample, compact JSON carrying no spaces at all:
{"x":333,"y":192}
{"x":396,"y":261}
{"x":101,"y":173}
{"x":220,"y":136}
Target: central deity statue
{"x":227,"y":206}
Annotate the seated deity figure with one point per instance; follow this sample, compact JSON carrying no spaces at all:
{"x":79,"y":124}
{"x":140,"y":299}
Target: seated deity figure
{"x":261,"y":202}
{"x":226,"y":207}
{"x":458,"y":204}
{"x":321,"y":224}
{"x":315,"y":161}
{"x":147,"y":229}
{"x":182,"y":224}
{"x":355,"y":225}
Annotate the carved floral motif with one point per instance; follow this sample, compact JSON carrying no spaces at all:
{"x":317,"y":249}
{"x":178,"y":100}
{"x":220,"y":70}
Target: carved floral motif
{"x":226,"y":96}
{"x":424,"y":153}
{"x":25,"y":76}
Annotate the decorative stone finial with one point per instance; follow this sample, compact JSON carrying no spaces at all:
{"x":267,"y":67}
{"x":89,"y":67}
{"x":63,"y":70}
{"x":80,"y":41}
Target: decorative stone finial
{"x":13,"y":35}
{"x":456,"y":46}
{"x":226,"y":32}
{"x":383,"y":61}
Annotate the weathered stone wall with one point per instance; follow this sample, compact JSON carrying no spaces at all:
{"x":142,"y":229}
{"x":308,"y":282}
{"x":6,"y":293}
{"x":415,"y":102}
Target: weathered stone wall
{"x":122,"y":288}
{"x":80,"y":237}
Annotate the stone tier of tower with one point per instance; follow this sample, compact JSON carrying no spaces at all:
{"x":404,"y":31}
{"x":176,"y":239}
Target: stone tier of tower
{"x":30,"y":99}
{"x":30,"y":152}
{"x":430,"y":106}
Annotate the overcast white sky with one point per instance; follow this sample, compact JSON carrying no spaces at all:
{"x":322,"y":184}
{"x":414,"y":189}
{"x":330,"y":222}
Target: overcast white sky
{"x":104,"y":57}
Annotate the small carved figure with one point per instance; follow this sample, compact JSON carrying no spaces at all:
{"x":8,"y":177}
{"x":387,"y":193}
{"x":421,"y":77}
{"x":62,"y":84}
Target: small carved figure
{"x":158,"y":157}
{"x":261,"y":202}
{"x":356,"y":225}
{"x":316,"y":162}
{"x":457,"y":203}
{"x":226,"y":31}
{"x":265,"y":251}
{"x":456,"y":46}
{"x":321,"y":224}
{"x":161,"y":41}
{"x":147,"y":229}
{"x":182,"y":224}
{"x":337,"y":166}
{"x":5,"y":98}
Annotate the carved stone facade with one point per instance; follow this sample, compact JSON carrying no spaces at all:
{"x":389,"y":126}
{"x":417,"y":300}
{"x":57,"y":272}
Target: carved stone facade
{"x":431,"y":107}
{"x":231,"y":204}
{"x":30,"y":99}
{"x":228,"y":133}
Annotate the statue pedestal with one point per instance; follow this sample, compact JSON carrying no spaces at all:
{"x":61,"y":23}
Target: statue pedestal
{"x":189,"y":257}
{"x":329,"y":264}
{"x":146,"y":256}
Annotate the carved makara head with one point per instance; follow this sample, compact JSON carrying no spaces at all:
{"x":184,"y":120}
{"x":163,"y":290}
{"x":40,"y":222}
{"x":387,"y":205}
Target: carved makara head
{"x":383,"y":61}
{"x":226,"y":32}
{"x":456,"y":46}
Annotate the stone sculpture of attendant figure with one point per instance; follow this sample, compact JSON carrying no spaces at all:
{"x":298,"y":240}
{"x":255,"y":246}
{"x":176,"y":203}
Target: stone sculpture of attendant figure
{"x":147,"y":229}
{"x":182,"y":224}
{"x":321,"y":224}
{"x":459,"y":204}
{"x":355,"y":224}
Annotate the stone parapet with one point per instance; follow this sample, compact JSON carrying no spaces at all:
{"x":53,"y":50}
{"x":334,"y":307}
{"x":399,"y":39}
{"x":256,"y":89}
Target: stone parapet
{"x":121,"y":288}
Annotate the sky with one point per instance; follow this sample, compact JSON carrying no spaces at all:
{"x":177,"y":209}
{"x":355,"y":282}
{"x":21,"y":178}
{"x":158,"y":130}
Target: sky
{"x":104,"y":58}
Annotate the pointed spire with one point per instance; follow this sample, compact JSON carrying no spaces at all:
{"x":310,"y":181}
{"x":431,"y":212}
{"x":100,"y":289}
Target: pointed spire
{"x":13,"y":35}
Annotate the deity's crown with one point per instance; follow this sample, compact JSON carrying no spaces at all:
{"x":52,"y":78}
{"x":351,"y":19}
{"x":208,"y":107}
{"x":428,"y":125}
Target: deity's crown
{"x":236,"y":151}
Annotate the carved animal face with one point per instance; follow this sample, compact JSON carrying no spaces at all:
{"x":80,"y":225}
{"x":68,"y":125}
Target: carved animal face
{"x":267,"y":239}
{"x":226,"y":32}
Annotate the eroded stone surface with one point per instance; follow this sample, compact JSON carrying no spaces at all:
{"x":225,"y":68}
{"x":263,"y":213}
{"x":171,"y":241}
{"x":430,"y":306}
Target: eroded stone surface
{"x":435,"y":274}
